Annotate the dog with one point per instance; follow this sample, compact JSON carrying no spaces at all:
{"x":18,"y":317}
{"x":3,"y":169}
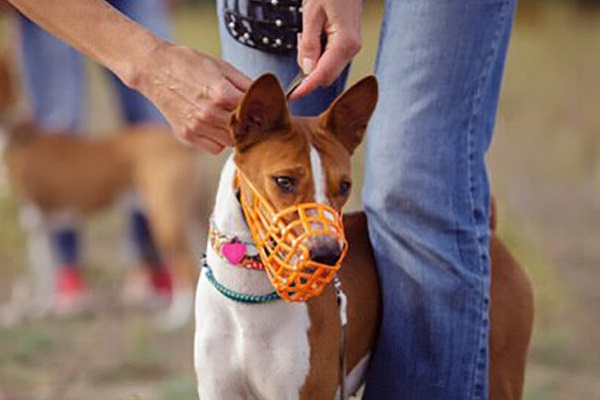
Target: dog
{"x":54,"y":174}
{"x":291,"y":350}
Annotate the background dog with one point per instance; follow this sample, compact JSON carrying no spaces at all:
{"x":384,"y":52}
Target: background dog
{"x":54,"y":174}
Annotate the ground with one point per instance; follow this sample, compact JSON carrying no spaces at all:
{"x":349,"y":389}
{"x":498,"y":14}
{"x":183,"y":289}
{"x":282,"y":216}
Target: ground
{"x":545,"y":171}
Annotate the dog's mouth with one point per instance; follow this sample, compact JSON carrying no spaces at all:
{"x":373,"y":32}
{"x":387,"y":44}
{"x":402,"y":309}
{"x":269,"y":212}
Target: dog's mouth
{"x":301,"y":270}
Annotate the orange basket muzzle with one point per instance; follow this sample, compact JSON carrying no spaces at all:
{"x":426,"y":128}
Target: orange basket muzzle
{"x":288,"y":240}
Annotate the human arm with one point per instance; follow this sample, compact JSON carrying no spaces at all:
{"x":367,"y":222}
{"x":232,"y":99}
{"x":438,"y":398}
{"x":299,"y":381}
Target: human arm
{"x":340,"y":20}
{"x":194,"y":92}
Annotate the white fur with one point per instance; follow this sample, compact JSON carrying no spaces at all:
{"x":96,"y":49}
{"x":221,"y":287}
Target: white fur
{"x":246,"y":351}
{"x":32,"y":298}
{"x":39,"y":252}
{"x":318,"y":176}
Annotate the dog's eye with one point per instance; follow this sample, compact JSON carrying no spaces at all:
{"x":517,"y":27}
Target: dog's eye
{"x":287,"y":184}
{"x":345,"y":188}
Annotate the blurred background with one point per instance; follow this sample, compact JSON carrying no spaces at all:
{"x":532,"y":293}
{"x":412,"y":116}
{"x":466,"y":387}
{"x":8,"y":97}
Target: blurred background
{"x":545,"y":169}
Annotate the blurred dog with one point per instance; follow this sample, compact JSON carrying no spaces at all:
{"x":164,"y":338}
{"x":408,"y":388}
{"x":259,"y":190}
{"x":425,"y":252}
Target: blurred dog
{"x":57,"y":173}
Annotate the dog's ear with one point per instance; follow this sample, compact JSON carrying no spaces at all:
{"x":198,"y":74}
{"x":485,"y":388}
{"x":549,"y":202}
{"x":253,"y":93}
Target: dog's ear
{"x":348,"y":116}
{"x":262,"y":110}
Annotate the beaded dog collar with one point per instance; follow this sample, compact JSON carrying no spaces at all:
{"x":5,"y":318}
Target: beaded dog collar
{"x":233,"y":250}
{"x":237,"y":296}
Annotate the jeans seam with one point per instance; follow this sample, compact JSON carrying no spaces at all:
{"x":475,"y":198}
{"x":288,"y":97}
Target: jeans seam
{"x":478,"y":377}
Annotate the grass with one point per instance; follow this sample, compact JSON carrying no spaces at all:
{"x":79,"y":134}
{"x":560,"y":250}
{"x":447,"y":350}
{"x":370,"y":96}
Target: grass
{"x":545,"y":166}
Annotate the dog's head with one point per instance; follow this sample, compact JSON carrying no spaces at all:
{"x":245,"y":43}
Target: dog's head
{"x":290,"y":161}
{"x":293,"y":160}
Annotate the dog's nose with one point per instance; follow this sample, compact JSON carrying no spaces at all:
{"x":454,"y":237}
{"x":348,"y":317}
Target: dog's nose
{"x":326,"y":254}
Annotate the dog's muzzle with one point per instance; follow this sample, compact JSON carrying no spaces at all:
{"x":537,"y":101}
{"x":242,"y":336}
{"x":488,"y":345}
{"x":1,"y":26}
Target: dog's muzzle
{"x":302,"y":247}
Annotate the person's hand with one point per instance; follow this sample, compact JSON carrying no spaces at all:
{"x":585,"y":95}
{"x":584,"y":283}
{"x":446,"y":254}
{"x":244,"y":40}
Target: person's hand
{"x":195,"y":92}
{"x":340,"y":20}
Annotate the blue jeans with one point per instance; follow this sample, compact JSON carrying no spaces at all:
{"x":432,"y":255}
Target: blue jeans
{"x":426,"y":194}
{"x":53,"y":77}
{"x":54,"y":82}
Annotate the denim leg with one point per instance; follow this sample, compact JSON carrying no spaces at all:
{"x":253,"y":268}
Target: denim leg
{"x":426,"y":194}
{"x":152,"y":14}
{"x":135,"y":108}
{"x":255,"y":63}
{"x":52,"y":75}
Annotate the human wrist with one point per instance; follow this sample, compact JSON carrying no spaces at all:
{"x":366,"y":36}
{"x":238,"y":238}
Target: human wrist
{"x":136,"y":68}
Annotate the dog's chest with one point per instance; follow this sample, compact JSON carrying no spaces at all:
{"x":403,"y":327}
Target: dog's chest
{"x":250,"y":351}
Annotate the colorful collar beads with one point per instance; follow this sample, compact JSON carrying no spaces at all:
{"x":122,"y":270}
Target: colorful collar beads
{"x":236,"y":296}
{"x":233,"y":250}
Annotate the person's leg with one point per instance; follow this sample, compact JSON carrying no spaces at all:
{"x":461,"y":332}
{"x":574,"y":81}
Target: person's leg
{"x":136,"y":109}
{"x":255,"y":63}
{"x":52,"y":76}
{"x":426,"y":194}
{"x":152,"y":14}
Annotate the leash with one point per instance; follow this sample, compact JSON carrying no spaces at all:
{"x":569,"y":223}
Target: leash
{"x":342,"y":301}
{"x":298,"y":79}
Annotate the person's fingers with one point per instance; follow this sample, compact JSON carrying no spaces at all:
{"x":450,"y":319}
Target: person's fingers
{"x":217,"y":117}
{"x":192,"y":128}
{"x":208,"y":145}
{"x":335,"y":59}
{"x":309,"y":44}
{"x":207,"y":116}
{"x":331,"y":64}
{"x":221,"y":136}
{"x":196,"y":94}
{"x":226,"y":95}
{"x":236,"y":77}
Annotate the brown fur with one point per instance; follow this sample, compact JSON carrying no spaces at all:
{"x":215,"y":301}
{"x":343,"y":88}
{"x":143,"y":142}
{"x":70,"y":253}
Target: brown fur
{"x":7,"y":89}
{"x":511,"y":322}
{"x":270,"y":142}
{"x":59,"y":172}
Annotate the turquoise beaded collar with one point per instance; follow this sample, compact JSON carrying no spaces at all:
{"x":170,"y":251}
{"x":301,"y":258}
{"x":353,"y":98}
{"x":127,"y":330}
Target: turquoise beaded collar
{"x":236,"y":296}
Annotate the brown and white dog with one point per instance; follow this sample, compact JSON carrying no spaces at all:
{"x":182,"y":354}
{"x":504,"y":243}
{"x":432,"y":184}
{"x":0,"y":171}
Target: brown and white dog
{"x":285,"y":350}
{"x":60,"y":173}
